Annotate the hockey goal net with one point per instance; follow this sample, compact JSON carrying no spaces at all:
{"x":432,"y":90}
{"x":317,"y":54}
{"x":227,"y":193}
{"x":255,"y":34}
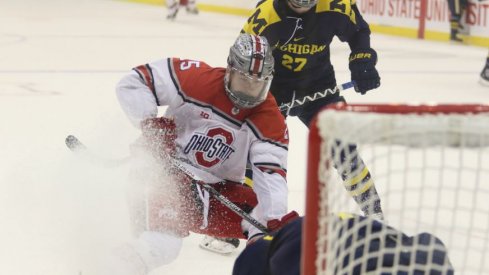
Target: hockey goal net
{"x":430,"y":165}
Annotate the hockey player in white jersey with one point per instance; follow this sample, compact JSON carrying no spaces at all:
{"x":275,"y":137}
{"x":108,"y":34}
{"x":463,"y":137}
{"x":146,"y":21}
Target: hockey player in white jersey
{"x":174,"y":5}
{"x":217,"y":120}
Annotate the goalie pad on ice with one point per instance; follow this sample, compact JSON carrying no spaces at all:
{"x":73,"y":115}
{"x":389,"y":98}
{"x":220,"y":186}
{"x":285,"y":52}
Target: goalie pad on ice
{"x":219,"y":245}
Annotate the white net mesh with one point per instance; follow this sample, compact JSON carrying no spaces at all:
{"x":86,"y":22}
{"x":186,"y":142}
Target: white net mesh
{"x":432,"y":175}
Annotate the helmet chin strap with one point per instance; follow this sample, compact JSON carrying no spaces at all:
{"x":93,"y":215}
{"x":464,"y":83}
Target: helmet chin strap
{"x":235,"y":110}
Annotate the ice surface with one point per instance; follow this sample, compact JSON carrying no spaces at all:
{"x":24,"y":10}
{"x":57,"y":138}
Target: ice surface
{"x":59,"y":63}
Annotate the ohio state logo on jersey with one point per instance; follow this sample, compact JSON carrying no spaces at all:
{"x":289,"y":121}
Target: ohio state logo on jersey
{"x":212,"y":147}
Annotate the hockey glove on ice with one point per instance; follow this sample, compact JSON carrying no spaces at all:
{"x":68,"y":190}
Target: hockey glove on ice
{"x":363,"y":72}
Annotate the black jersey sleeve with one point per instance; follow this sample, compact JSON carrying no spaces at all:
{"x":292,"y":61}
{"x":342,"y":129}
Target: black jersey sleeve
{"x":361,"y":38}
{"x":351,"y":27}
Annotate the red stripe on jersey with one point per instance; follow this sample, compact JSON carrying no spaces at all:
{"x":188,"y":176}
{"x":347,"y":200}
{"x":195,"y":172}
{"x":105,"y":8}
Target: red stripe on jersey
{"x":271,"y":170}
{"x":148,"y":77}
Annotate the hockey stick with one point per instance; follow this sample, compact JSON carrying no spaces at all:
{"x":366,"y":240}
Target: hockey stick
{"x":75,"y":145}
{"x":229,"y":204}
{"x":317,"y":95}
{"x":222,"y":199}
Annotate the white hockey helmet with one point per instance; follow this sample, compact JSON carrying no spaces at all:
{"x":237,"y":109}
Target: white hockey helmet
{"x":303,"y":3}
{"x":250,"y":71}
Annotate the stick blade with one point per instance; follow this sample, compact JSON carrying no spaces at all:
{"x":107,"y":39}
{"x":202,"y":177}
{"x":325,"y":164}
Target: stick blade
{"x":74,"y":144}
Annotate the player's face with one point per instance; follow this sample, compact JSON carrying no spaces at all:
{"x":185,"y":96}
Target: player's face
{"x":249,"y":88}
{"x":298,"y":9}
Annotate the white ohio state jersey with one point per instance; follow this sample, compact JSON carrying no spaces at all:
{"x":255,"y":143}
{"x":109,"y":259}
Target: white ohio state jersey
{"x":214,"y":139}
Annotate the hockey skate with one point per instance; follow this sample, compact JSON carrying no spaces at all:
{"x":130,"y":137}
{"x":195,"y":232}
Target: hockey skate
{"x":191,"y":7}
{"x":172,"y":12}
{"x":455,"y":36}
{"x":192,"y":10}
{"x":219,"y":245}
{"x":484,"y":80}
{"x":456,"y":31}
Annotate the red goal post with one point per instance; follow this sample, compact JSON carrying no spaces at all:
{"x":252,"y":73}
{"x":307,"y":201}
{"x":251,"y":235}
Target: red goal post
{"x":412,"y":137}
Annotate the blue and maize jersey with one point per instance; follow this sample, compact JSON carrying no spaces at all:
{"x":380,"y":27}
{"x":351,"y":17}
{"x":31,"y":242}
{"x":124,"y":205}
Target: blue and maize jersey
{"x":302,"y":41}
{"x":280,"y":252}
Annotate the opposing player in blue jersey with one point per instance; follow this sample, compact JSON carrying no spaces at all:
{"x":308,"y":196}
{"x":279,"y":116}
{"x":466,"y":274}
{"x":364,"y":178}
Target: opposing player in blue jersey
{"x":457,"y":9}
{"x":280,"y":252}
{"x":301,"y":32}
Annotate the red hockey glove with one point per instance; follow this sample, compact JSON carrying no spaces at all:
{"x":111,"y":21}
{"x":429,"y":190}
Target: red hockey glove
{"x":160,"y":133}
{"x":276,"y":224}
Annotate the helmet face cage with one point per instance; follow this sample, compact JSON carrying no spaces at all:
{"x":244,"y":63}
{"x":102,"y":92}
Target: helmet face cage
{"x":250,"y":71}
{"x":303,"y":3}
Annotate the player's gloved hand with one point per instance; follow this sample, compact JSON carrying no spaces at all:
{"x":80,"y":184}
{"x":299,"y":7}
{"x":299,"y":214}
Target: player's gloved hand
{"x":363,"y":72}
{"x":276,"y":224}
{"x":160,"y":134}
